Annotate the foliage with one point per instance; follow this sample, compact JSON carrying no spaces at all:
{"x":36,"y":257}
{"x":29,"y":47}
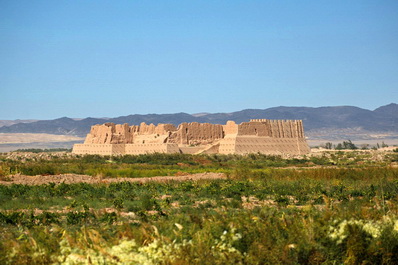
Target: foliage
{"x":346,"y":145}
{"x":150,"y":165}
{"x":260,"y":214}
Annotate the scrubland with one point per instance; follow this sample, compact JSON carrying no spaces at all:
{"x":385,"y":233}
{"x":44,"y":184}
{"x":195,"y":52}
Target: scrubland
{"x":334,"y":208}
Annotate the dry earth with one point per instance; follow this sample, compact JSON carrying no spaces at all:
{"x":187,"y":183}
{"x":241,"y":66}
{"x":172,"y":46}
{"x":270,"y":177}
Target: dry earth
{"x":73,"y":178}
{"x":15,"y":141}
{"x":18,"y":138}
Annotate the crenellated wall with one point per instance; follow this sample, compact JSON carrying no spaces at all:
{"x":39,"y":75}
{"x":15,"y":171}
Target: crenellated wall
{"x":258,"y":135}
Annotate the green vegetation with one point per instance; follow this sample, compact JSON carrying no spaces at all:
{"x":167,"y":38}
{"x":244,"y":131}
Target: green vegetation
{"x":348,"y":145}
{"x":171,"y":164}
{"x":269,"y":211}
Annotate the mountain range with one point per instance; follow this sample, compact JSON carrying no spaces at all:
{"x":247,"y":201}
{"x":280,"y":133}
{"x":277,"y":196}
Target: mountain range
{"x":338,"y":119}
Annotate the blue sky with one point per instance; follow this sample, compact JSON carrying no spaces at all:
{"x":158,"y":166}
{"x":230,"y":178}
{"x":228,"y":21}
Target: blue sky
{"x":113,"y":58}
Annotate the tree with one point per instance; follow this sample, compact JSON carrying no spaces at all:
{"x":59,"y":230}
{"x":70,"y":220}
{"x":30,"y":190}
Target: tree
{"x":346,"y":145}
{"x":339,"y":146}
{"x":364,"y":146}
{"x":349,"y":145}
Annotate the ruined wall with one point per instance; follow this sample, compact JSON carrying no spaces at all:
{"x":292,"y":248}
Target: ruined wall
{"x":265,"y":145}
{"x":200,"y":149}
{"x":136,"y":149}
{"x":228,"y":144}
{"x":260,"y":135}
{"x":230,"y":128}
{"x":277,"y":137}
{"x":99,"y":134}
{"x":144,"y":129}
{"x":99,"y":149}
{"x":109,"y":133}
{"x":280,"y":128}
{"x":196,"y":133}
{"x":254,"y":128}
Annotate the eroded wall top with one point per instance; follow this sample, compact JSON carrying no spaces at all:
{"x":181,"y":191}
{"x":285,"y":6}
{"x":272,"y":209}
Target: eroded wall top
{"x":195,"y":133}
{"x":191,"y":133}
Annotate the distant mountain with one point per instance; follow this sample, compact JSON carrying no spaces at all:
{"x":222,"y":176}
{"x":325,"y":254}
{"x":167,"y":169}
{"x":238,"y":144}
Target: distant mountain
{"x":390,"y":109}
{"x":323,"y":119}
{"x":11,"y":122}
{"x":67,"y":126}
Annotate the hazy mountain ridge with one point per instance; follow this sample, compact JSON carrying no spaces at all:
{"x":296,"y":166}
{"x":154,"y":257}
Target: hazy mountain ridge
{"x":316,"y":120}
{"x":11,"y":122}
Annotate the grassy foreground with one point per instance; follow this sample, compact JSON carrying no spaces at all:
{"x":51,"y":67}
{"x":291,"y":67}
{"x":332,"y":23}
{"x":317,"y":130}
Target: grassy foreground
{"x":262,"y":214}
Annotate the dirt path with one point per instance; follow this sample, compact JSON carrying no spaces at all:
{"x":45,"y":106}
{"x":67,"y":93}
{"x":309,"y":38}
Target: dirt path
{"x":73,"y":178}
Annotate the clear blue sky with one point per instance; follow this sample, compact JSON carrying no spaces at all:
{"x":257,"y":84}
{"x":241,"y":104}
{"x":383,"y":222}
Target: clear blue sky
{"x":113,"y":58}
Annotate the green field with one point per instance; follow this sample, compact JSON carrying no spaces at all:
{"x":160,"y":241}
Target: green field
{"x":337,"y":208}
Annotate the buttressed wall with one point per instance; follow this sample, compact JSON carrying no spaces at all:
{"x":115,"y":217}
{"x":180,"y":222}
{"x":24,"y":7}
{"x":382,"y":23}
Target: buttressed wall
{"x":279,"y":137}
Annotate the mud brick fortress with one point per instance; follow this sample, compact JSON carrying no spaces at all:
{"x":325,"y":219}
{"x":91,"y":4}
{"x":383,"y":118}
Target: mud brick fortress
{"x":276,"y":137}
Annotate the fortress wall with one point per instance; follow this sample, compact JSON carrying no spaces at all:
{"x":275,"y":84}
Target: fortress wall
{"x":137,"y":149}
{"x":304,"y":148}
{"x":230,"y":128}
{"x":196,"y":133}
{"x":134,"y":129}
{"x":100,"y":149}
{"x":227,"y":145}
{"x":259,"y":135}
{"x":121,"y":134}
{"x":274,"y":128}
{"x":109,"y":133}
{"x":279,"y":129}
{"x":144,"y":129}
{"x":172,"y":148}
{"x":191,"y":149}
{"x":79,"y":149}
{"x":293,"y":129}
{"x":301,"y":129}
{"x":253,"y":128}
{"x":213,"y":149}
{"x":286,"y":129}
{"x":165,"y":128}
{"x":299,"y":125}
{"x":118,"y":149}
{"x":100,"y":134}
{"x":201,"y":149}
{"x":150,"y":138}
{"x":267,"y":145}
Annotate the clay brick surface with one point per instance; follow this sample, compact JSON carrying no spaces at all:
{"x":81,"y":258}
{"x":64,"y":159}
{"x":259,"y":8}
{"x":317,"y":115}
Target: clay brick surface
{"x":257,"y":136}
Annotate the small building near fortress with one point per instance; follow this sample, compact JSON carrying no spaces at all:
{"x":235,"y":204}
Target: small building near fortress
{"x":273,"y":137}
